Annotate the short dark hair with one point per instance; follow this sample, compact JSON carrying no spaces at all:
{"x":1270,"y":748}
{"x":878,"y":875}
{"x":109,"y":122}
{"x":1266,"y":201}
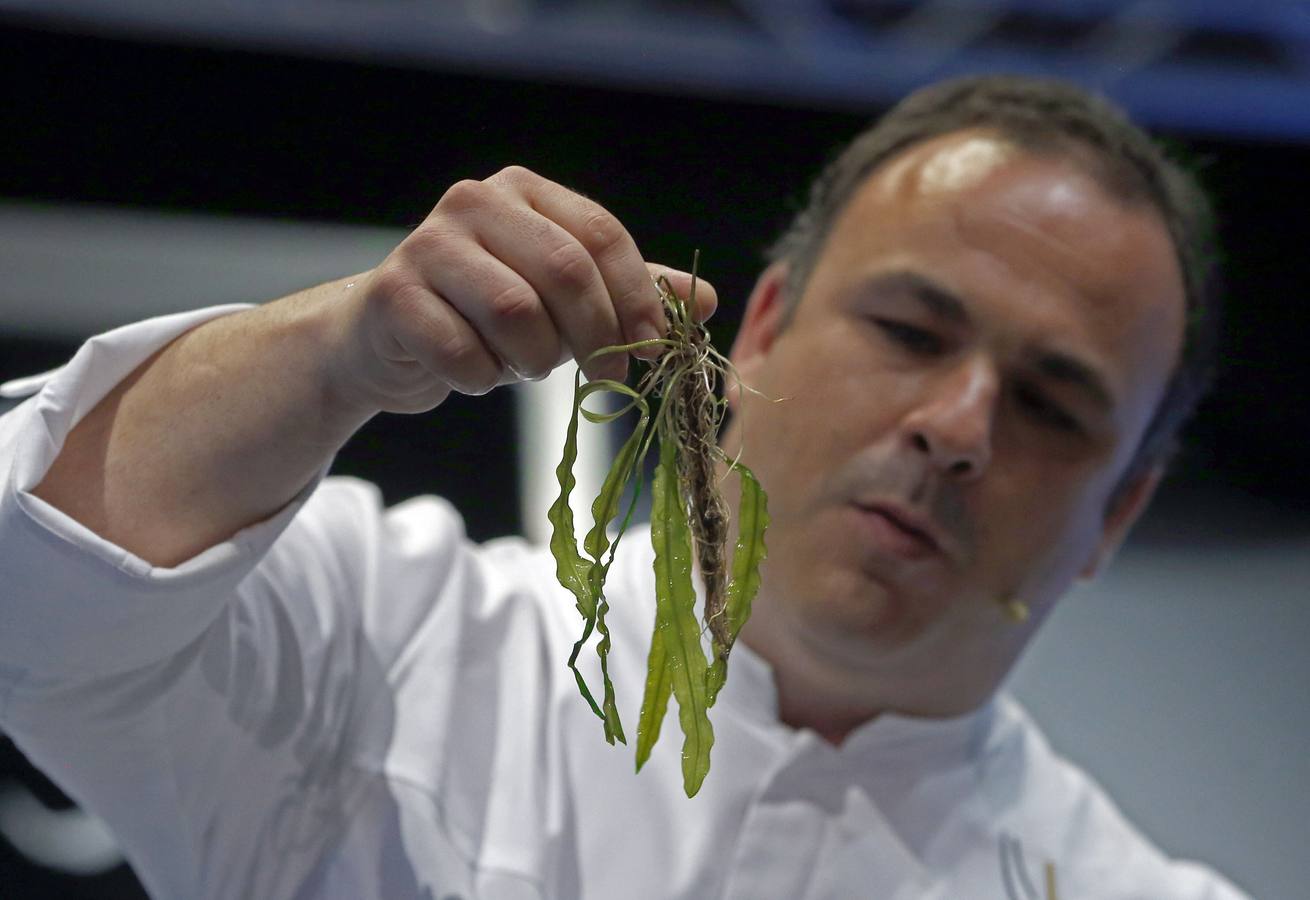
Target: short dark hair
{"x":1049,"y":117}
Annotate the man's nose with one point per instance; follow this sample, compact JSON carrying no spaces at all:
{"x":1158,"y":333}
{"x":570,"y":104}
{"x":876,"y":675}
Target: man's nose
{"x":952,"y":422}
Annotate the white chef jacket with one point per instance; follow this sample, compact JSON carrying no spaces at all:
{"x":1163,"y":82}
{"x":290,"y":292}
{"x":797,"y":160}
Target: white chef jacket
{"x":346,"y":701}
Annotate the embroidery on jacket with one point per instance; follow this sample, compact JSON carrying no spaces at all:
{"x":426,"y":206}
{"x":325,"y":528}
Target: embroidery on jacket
{"x":1014,"y":873}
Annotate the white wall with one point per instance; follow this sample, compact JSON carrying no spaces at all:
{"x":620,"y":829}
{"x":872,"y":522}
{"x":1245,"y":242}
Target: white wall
{"x":1179,"y":678}
{"x":71,"y":271}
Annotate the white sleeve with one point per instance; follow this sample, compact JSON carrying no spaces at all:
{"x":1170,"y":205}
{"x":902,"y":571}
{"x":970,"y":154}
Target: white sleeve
{"x":54,"y":570}
{"x":230,"y":718}
{"x":228,"y":765}
{"x":192,"y":708}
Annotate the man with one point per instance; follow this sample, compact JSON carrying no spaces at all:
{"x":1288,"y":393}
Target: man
{"x":981,"y":336}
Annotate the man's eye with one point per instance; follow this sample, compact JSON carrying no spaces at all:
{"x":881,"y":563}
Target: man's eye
{"x":1044,"y":410}
{"x":915,"y":339}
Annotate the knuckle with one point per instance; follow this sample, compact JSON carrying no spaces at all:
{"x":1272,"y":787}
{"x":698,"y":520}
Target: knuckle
{"x":453,"y":351}
{"x":463,"y":362}
{"x":571,"y":267}
{"x":463,"y":196}
{"x":639,"y":299}
{"x":515,"y":303}
{"x":410,"y":299}
{"x":604,"y":233}
{"x":428,"y":241}
{"x":395,"y":289}
{"x":513,"y":174}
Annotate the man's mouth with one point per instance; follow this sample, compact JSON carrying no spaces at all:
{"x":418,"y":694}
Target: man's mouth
{"x":899,"y":531}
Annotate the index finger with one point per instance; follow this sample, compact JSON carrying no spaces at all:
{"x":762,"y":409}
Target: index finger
{"x":635,"y":297}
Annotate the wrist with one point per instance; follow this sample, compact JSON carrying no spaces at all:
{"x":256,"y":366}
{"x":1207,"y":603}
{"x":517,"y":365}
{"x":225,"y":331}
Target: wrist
{"x":328,"y":319}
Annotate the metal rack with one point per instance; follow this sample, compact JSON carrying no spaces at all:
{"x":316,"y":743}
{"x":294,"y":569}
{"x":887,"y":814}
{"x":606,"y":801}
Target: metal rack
{"x":1200,"y":65}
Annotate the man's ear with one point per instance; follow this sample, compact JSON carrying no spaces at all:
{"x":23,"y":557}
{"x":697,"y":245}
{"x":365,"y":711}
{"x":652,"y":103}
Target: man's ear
{"x":765,"y":316}
{"x":1120,"y":519}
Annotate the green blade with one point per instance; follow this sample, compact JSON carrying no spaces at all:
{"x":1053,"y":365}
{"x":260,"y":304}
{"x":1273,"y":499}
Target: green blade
{"x":635,"y":400}
{"x":577,"y":675}
{"x":752,"y":522}
{"x":585,"y":578}
{"x":571,"y":569}
{"x":604,"y":510}
{"x":574,"y":572}
{"x":613,"y":727}
{"x":656,"y":699}
{"x":606,"y":506}
{"x":675,"y":604}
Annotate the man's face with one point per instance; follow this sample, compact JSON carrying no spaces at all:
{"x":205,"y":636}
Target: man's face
{"x":981,"y":345}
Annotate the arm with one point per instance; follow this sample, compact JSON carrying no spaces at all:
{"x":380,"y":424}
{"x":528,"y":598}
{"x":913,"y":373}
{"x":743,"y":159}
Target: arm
{"x":215,"y":431}
{"x":505,"y":279}
{"x":188,"y":702}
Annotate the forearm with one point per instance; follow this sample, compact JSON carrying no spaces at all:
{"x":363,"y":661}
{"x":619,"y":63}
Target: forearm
{"x":213,"y":433}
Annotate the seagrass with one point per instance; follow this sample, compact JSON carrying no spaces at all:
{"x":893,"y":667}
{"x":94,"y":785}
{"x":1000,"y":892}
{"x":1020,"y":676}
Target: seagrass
{"x":690,"y":520}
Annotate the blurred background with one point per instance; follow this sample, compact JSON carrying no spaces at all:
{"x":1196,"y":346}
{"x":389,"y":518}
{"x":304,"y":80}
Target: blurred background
{"x":158,"y":156}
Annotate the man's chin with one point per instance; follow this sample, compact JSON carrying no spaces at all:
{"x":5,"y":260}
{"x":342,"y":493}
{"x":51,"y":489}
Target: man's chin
{"x":865,"y":626}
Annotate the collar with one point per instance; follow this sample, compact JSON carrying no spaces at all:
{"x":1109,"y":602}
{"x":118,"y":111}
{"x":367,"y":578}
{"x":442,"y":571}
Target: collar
{"x":928,"y":741}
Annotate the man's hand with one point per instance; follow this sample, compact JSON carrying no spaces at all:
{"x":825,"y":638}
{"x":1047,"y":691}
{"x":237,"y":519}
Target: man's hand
{"x":506,"y":279}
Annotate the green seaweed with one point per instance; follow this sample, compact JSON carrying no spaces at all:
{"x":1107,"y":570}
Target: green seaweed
{"x":688,"y":529}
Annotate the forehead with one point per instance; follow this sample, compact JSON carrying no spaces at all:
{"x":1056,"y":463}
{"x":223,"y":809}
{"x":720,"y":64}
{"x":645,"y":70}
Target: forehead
{"x":983,"y":185}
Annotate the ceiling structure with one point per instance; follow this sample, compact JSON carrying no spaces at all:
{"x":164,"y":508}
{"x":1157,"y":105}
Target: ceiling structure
{"x":126,"y":131}
{"x":1209,"y":66}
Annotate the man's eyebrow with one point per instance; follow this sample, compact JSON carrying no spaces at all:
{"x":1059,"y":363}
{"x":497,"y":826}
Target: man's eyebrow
{"x":940,"y":301}
{"x":944,"y":304}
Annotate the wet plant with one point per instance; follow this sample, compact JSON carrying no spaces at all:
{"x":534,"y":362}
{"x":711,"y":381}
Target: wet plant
{"x":677,"y":408}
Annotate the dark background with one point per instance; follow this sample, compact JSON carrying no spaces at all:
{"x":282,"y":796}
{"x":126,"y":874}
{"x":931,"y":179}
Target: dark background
{"x":223,"y":132}
{"x":130,"y":124}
